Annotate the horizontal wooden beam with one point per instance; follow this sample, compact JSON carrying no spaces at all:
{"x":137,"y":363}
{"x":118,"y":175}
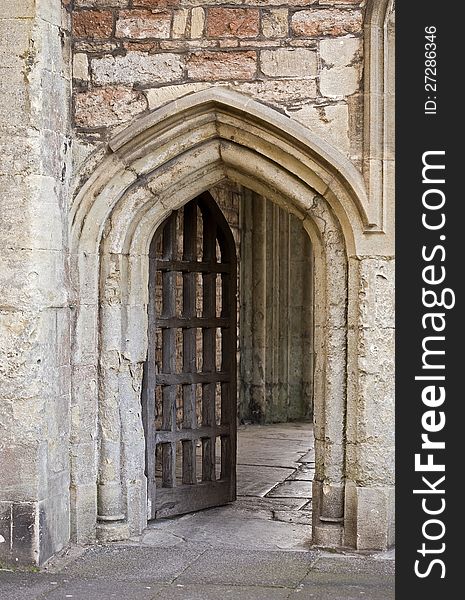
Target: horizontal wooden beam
{"x":193,"y":322}
{"x":165,"y":437}
{"x":193,"y":266}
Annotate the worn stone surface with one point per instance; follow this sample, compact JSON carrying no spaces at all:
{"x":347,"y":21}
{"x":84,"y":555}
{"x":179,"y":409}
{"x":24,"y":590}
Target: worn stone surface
{"x":137,"y":66}
{"x":275,"y":22}
{"x":140,"y":24}
{"x":107,"y":106}
{"x":288,"y":62}
{"x":331,"y":122}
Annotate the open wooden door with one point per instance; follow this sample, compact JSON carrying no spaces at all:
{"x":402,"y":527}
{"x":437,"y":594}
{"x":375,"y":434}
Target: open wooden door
{"x":189,"y":389}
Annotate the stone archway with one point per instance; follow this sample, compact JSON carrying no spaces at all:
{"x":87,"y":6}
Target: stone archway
{"x":155,"y":166}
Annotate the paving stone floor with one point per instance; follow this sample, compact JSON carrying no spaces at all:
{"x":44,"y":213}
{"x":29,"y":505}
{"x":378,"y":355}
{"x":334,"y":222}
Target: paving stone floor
{"x":257,"y":548}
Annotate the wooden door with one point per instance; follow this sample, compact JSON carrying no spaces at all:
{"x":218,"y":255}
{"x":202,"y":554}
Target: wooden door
{"x":189,"y":388}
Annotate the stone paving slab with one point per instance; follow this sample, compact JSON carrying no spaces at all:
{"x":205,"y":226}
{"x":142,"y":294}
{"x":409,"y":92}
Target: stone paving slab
{"x":253,"y":481}
{"x":246,"y":503}
{"x":222,"y":592}
{"x":355,"y":564}
{"x":132,"y":563}
{"x":291,"y":489}
{"x":341,"y":590}
{"x":25,"y":586}
{"x":106,"y":589}
{"x":249,"y":568}
{"x":302,"y":517}
{"x":217,"y":530}
{"x":304,"y":473}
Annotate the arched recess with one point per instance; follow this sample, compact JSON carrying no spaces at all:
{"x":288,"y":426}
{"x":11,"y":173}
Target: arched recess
{"x":156,"y":165}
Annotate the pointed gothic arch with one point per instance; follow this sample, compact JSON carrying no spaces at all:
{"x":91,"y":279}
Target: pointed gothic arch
{"x":156,"y":165}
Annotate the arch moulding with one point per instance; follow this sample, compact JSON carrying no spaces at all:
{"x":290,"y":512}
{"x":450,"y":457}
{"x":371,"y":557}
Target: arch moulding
{"x":156,"y":165}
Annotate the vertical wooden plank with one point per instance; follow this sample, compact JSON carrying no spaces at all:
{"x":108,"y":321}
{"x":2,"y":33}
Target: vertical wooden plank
{"x":189,"y":466}
{"x":149,"y":383}
{"x":209,"y":347}
{"x":229,"y":364}
{"x":169,"y":352}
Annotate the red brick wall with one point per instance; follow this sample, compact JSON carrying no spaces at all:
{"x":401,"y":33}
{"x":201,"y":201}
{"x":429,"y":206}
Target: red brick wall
{"x":132,"y":56}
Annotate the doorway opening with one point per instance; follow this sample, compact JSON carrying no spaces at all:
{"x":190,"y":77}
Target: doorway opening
{"x":230,"y":344}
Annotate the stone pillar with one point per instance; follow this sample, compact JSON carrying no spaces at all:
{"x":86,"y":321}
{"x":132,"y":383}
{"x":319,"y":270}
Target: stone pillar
{"x":34,"y":288}
{"x":369,"y":491}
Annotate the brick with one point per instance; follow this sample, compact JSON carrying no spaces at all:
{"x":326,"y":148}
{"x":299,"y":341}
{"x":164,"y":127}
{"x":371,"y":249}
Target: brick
{"x":332,"y":22}
{"x":233,"y":22}
{"x":144,"y":69}
{"x":94,"y":24}
{"x":106,"y":106}
{"x":289,"y":62}
{"x":275,"y":23}
{"x":140,"y":24}
{"x":209,"y":66}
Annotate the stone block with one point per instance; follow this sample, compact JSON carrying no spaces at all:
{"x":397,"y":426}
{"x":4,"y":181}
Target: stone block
{"x":289,"y":62}
{"x":137,"y":66}
{"x":103,"y":107}
{"x":369,"y":517}
{"x":140,"y":24}
{"x":333,"y":22}
{"x":275,"y":23}
{"x":83,"y":502}
{"x":233,"y":22}
{"x":339,"y":52}
{"x":338,"y":82}
{"x":18,"y":526}
{"x":211,"y":66}
{"x":197,"y":22}
{"x":16,"y":54}
{"x":81,"y":67}
{"x":180,"y":23}
{"x":331,"y":123}
{"x":282,"y":92}
{"x":54,"y":530}
{"x":12,"y":9}
{"x":156,"y":97}
{"x":93,"y":24}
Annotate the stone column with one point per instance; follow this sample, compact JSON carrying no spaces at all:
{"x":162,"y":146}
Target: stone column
{"x":369,"y":495}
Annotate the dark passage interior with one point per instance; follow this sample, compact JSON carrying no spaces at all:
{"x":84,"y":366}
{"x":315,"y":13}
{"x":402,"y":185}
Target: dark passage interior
{"x":230,"y":343}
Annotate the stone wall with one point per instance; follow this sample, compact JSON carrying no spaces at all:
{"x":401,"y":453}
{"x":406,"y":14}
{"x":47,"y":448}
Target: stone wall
{"x":303,"y":57}
{"x":302,"y":63}
{"x":35,"y":375}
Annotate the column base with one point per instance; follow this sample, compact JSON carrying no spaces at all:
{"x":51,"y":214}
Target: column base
{"x":112,"y":531}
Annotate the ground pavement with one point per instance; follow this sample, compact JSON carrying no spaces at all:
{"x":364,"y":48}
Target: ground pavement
{"x":257,"y":548}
